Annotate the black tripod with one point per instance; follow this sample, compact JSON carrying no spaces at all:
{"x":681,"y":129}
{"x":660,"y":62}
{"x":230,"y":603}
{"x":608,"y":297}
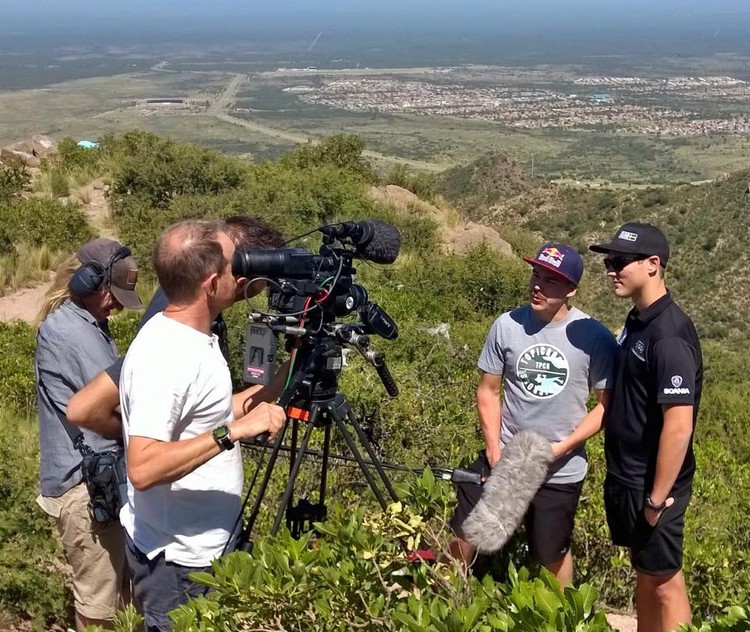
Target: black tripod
{"x":311,"y":398}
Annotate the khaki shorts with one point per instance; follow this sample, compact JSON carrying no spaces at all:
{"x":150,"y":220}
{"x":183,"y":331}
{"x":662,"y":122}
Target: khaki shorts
{"x":96,"y":553}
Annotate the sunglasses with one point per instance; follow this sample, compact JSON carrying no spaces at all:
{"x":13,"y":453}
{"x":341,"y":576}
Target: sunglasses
{"x":616,"y":264}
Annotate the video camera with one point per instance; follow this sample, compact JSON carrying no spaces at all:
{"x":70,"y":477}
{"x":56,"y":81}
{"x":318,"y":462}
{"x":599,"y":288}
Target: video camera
{"x":307,"y":293}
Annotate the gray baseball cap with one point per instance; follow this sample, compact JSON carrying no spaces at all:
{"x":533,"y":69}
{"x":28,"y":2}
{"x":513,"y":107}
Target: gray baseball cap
{"x":121,"y":270}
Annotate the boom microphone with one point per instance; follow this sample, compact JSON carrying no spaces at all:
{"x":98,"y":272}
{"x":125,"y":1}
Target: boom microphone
{"x":373,"y":240}
{"x":508,"y":492}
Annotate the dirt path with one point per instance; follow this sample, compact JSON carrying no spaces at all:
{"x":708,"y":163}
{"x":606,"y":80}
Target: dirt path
{"x":622,"y":622}
{"x":24,"y":304}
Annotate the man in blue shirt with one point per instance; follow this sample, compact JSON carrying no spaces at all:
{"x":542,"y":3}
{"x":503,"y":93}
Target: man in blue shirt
{"x":73,"y":345}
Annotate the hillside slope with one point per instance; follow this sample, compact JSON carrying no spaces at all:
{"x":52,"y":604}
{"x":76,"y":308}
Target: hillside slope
{"x":708,"y":227}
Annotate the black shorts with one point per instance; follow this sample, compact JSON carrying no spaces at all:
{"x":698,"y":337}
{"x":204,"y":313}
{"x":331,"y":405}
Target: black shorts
{"x":549,"y":520}
{"x":654,"y":550}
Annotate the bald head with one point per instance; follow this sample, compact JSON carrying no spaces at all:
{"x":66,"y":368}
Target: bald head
{"x":185,"y":254}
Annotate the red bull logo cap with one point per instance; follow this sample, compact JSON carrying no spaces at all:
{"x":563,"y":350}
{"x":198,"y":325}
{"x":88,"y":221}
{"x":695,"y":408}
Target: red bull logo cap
{"x":636,"y":238}
{"x":561,"y":259}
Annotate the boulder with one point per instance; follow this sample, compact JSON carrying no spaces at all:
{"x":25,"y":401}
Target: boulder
{"x":8,"y":154}
{"x":42,"y":145}
{"x":456,"y":237}
{"x":461,"y":239}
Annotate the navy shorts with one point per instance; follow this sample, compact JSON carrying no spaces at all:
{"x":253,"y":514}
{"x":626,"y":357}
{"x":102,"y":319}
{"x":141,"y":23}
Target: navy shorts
{"x":549,"y":520}
{"x":654,"y":550}
{"x":160,"y":586}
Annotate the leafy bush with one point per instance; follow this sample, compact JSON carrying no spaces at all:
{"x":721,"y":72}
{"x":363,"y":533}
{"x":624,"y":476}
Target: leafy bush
{"x":18,"y":386}
{"x":32,"y":581}
{"x":58,"y":183}
{"x":61,"y":227}
{"x":357,"y":574}
{"x":72,"y":158}
{"x":158,"y":169}
{"x":13,"y":179}
{"x":735,"y":619}
{"x":417,"y":182}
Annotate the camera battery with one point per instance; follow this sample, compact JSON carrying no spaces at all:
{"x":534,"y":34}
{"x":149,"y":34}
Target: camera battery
{"x":260,"y":354}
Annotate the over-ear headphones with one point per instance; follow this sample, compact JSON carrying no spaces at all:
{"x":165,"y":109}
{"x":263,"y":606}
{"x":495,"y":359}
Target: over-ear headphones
{"x":92,"y":276}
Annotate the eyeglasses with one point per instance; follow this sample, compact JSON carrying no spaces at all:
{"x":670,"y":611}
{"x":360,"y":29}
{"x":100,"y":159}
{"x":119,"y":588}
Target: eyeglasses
{"x":616,"y":264}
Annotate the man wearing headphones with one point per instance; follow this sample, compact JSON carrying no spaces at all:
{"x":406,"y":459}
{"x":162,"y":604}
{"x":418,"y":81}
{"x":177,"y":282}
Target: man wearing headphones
{"x":73,"y":345}
{"x":95,"y":407}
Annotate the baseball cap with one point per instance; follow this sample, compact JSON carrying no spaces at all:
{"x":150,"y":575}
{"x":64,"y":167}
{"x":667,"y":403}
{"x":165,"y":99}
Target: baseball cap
{"x":561,"y":259}
{"x":636,"y":238}
{"x":124,"y":272}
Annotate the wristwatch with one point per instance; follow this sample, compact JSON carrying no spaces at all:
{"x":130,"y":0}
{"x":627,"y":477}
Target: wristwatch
{"x":222,"y":438}
{"x":653,"y":507}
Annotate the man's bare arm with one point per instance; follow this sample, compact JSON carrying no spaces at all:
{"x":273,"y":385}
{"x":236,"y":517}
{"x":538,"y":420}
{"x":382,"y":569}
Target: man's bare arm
{"x":152,"y":462}
{"x":673,"y":446}
{"x":95,"y":407}
{"x":490,"y":412}
{"x":244,"y":401}
{"x":589,"y":426}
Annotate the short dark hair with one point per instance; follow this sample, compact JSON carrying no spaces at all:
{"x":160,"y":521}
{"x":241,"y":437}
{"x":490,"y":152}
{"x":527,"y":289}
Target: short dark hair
{"x":185,"y":254}
{"x":252,"y":232}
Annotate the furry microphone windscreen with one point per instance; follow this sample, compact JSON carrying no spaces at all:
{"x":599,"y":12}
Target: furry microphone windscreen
{"x":508,"y":492}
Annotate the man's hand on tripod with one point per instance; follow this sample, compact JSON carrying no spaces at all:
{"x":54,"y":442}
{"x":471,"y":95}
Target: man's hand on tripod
{"x":264,"y":418}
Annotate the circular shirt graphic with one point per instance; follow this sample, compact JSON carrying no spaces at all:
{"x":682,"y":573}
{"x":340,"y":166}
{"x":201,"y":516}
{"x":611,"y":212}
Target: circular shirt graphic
{"x":542,"y":370}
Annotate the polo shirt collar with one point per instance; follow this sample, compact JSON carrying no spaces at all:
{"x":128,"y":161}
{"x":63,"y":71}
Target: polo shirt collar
{"x":82,"y":312}
{"x":652,"y":311}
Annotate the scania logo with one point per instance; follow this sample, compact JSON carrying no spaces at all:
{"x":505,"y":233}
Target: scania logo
{"x":543,"y":370}
{"x":676,"y":381}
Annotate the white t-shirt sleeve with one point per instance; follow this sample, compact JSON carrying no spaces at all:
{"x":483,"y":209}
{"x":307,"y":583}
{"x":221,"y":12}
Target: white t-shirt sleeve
{"x":159,"y":399}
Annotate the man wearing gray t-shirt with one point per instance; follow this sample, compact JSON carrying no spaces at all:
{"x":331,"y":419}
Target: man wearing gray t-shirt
{"x":545,"y":358}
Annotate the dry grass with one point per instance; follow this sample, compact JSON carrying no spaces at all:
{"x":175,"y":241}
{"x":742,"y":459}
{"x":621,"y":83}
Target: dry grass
{"x":54,"y":184}
{"x":82,"y":195}
{"x":30,"y":265}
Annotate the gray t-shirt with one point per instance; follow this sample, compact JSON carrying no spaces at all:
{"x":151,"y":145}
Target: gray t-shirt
{"x":72,"y":348}
{"x":548,"y":370}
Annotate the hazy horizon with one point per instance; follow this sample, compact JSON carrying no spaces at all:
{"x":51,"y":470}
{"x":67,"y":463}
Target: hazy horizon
{"x":390,"y":32}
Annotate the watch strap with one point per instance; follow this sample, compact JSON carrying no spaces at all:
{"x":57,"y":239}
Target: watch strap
{"x":654,"y":507}
{"x":222,"y":438}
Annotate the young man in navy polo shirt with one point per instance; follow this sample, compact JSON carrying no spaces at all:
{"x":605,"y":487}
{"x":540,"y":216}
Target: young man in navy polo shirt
{"x":648,"y":427}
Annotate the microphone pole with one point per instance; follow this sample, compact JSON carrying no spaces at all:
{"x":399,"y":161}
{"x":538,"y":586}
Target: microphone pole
{"x":454,"y":475}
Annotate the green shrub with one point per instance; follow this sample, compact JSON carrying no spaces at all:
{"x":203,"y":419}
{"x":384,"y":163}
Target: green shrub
{"x":18,"y":386}
{"x":418,"y":182}
{"x":32,"y":581}
{"x":61,"y":227}
{"x":58,"y":183}
{"x":735,"y":619}
{"x":159,"y":169}
{"x":72,"y":158}
{"x":356,"y":575}
{"x":13,"y":179}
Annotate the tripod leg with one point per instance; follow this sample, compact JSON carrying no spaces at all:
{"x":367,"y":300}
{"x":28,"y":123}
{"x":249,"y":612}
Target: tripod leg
{"x":247,"y":531}
{"x":286,"y":498}
{"x":324,"y":465}
{"x":370,"y":450}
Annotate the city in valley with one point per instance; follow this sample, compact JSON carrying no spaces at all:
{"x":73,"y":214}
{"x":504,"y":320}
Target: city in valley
{"x":671,"y":106}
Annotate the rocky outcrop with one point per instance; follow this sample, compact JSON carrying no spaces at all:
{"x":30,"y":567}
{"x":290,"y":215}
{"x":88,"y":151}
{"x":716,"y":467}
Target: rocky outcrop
{"x":456,"y":236}
{"x":29,"y":152}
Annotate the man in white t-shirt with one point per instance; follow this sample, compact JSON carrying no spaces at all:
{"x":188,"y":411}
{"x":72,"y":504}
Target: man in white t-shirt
{"x":181,"y":423}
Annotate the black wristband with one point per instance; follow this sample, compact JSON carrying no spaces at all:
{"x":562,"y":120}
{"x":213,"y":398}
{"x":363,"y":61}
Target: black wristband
{"x":650,"y":504}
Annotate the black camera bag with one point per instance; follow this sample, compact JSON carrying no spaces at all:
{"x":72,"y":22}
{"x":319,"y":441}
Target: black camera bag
{"x":103,"y":473}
